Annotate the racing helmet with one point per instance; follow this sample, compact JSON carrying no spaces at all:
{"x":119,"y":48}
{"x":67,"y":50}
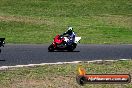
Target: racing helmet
{"x":70,"y":29}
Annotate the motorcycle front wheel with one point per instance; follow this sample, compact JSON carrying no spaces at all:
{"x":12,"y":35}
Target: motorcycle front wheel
{"x":51,"y":48}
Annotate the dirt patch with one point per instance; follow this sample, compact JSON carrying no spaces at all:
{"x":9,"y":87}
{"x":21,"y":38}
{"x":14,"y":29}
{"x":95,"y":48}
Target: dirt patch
{"x":25,"y":19}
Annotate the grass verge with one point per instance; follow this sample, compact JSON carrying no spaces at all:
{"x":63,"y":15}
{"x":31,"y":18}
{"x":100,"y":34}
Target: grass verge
{"x":38,"y":21}
{"x":62,"y":76}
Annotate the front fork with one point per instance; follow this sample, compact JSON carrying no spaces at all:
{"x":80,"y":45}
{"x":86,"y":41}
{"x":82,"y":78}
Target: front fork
{"x":54,"y":44}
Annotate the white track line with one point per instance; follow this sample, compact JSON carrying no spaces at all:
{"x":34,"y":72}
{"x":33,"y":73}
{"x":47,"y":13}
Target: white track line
{"x":73,"y":62}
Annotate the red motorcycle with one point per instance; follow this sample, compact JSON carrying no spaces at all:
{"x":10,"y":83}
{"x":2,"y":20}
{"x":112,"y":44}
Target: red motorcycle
{"x":60,"y":43}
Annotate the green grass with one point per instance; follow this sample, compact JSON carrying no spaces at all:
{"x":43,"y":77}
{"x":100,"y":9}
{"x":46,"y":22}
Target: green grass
{"x":38,"y":21}
{"x":60,"y":76}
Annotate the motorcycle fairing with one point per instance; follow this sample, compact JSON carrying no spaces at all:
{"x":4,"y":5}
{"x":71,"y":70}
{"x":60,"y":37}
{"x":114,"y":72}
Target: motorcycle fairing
{"x":58,"y":40}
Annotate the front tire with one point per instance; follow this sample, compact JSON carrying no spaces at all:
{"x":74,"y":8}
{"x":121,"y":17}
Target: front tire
{"x":51,"y":48}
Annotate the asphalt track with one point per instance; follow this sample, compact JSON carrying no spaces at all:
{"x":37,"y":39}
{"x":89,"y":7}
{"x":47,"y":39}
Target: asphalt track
{"x":34,"y":54}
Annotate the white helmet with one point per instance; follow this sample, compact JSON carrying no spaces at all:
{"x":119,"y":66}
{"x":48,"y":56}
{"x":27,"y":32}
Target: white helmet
{"x":70,"y":29}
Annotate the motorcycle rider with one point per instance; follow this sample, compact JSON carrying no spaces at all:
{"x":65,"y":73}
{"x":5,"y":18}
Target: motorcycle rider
{"x":71,"y":35}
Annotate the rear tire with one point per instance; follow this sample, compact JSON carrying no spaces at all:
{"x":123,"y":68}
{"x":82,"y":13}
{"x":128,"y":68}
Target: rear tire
{"x":72,"y":47}
{"x":51,"y":48}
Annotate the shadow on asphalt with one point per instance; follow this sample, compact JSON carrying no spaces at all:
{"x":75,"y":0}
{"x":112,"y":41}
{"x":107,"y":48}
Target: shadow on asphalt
{"x":64,"y":51}
{"x":2,"y":60}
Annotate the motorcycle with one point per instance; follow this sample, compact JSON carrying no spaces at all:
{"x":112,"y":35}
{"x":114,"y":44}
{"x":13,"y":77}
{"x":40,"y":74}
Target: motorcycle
{"x":2,"y":42}
{"x":60,"y":43}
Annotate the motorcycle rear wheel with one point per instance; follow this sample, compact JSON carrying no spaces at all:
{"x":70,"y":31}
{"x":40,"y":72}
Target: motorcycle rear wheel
{"x":72,"y":47}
